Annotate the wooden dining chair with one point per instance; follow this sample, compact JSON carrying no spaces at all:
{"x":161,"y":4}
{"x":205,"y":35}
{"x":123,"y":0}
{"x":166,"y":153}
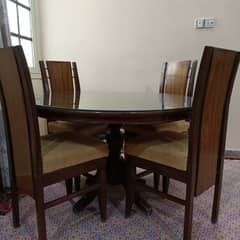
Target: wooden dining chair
{"x":177,"y":78}
{"x":174,"y":77}
{"x":34,"y":162}
{"x":61,"y":81}
{"x":60,"y":78}
{"x":182,"y":156}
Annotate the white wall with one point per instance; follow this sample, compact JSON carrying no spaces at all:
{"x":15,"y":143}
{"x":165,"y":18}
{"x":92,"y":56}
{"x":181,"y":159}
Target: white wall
{"x":121,"y":44}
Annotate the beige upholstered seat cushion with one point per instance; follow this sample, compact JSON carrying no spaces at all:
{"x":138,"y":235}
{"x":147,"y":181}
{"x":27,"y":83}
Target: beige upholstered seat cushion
{"x":68,"y":149}
{"x":83,"y":128}
{"x":177,"y":126}
{"x":60,"y":127}
{"x":167,"y":148}
{"x":138,"y":130}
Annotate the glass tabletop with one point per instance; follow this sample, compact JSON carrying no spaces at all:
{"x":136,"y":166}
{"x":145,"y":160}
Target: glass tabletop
{"x":114,"y":101}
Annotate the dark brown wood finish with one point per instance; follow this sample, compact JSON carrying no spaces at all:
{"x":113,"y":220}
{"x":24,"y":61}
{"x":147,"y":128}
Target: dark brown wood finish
{"x":76,"y":77}
{"x":177,"y":78}
{"x":120,"y":117}
{"x":116,"y":118}
{"x":207,"y":135}
{"x":64,"y":110}
{"x":59,"y":78}
{"x":162,"y":81}
{"x":192,"y":78}
{"x":174,"y":78}
{"x":214,"y":119}
{"x":23,"y":141}
{"x":46,"y":87}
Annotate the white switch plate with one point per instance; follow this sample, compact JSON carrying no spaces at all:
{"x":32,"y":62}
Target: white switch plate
{"x":199,"y":23}
{"x":210,"y":22}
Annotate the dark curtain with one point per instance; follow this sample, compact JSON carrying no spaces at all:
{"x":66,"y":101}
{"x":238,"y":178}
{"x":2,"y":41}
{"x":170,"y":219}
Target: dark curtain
{"x":5,"y":41}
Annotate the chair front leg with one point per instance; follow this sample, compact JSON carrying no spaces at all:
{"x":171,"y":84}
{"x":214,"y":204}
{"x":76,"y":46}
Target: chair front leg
{"x":15,"y":208}
{"x":130,"y":186}
{"x":41,"y":222}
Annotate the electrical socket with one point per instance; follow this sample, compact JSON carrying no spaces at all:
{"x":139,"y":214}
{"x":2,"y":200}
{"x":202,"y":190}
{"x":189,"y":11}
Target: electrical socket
{"x":199,"y":23}
{"x":210,"y":22}
{"x":205,"y":22}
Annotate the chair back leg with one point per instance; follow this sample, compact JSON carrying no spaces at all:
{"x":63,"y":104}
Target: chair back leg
{"x":102,"y":194}
{"x":41,"y":222}
{"x":217,"y":190}
{"x":77,"y":183}
{"x":188,"y":212}
{"x":165,"y":183}
{"x":15,"y":209}
{"x":156,"y":180}
{"x":69,"y":185}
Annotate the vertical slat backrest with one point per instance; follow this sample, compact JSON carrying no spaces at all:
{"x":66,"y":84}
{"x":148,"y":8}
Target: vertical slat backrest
{"x":210,"y":110}
{"x":192,"y":78}
{"x":76,"y":78}
{"x":60,"y":78}
{"x":163,"y":74}
{"x":175,"y":77}
{"x":22,"y":126}
{"x":43,"y":68}
{"x":63,"y":100}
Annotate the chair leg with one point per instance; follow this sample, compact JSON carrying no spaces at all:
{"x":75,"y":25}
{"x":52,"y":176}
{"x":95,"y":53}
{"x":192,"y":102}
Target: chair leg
{"x":165,"y":184}
{"x":41,"y":222}
{"x":130,"y":186}
{"x":188,"y":213}
{"x":77,"y":183}
{"x":69,"y":185}
{"x":15,"y":209}
{"x":217,"y":191}
{"x":156,"y":179}
{"x":102,"y":195}
{"x":48,"y":132}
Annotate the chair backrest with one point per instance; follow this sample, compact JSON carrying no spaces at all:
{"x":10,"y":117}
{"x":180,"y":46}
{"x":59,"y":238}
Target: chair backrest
{"x":210,"y":110}
{"x":62,"y":77}
{"x":21,"y":124}
{"x":191,"y":78}
{"x":175,"y":77}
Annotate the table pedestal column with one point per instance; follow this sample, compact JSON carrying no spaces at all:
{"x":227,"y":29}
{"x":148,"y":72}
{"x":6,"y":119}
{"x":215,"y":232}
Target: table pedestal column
{"x":116,"y":170}
{"x":116,"y":163}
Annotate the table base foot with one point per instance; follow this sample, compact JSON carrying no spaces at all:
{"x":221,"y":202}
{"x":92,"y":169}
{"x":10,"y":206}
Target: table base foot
{"x":82,"y":203}
{"x":143,"y":205}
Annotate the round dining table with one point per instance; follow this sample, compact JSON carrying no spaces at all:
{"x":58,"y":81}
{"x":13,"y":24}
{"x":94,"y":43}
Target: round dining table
{"x":114,"y":109}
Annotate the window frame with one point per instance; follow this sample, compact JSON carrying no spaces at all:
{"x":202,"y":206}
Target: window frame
{"x":33,"y":6}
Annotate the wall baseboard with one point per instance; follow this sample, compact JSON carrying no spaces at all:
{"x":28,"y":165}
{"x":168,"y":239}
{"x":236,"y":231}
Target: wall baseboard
{"x":232,"y":154}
